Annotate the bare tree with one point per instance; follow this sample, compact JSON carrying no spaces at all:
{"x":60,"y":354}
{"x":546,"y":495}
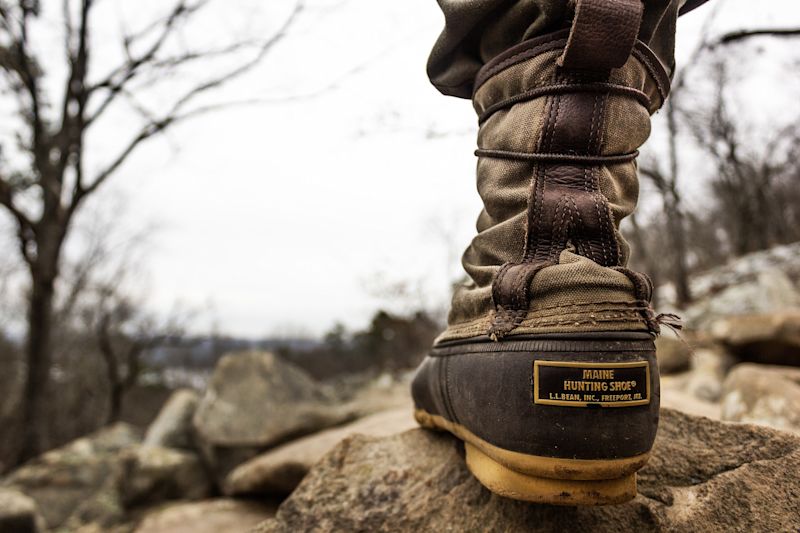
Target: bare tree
{"x":665,"y":176}
{"x":124,"y":331}
{"x":665,"y":173}
{"x":755,"y":180}
{"x":47,"y":185}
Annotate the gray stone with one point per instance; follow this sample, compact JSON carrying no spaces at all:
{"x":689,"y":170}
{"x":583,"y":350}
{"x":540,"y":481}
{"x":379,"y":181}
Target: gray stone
{"x":673,"y":355}
{"x":280,"y":470}
{"x":767,"y":338}
{"x":152,"y":474}
{"x":704,"y":476}
{"x":766,"y":395}
{"x":18,"y":513}
{"x":77,"y":480}
{"x":172,"y":428}
{"x":708,"y":368}
{"x":256,"y":399}
{"x":209,"y":516}
{"x":675,"y":396}
{"x":756,"y":283}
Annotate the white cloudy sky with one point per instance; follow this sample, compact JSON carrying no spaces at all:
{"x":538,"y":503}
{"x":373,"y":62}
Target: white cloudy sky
{"x":282,"y":217}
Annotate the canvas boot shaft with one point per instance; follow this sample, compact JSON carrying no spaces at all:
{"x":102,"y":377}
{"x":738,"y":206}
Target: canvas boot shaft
{"x":557,"y":174}
{"x":547,"y":368}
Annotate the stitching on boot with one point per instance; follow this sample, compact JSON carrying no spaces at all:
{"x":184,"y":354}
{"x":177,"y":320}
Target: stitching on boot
{"x":643,"y":289}
{"x":558,"y":215}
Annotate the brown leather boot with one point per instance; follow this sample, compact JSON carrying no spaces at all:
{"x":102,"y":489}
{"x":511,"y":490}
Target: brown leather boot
{"x":547,"y":370}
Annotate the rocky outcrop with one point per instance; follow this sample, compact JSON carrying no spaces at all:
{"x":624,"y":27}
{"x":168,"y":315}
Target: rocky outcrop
{"x":768,"y":338}
{"x":675,"y":396}
{"x":172,"y":428}
{"x":77,"y":480}
{"x":704,"y":476}
{"x":758,"y":283}
{"x":256,"y":400}
{"x":760,"y":394}
{"x":152,"y":474}
{"x":708,"y":369}
{"x":280,"y":470}
{"x":210,"y":516}
{"x":18,"y":513}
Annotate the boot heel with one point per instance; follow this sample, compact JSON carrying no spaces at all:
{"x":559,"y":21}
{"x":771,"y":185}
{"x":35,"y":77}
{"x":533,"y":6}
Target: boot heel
{"x":512,"y":484}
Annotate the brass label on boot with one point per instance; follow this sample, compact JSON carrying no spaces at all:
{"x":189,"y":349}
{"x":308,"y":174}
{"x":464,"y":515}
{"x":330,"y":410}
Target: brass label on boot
{"x":576,"y":384}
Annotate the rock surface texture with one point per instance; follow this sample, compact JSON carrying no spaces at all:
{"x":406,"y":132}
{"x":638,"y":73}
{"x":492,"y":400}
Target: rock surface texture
{"x":769,"y":338}
{"x":255,"y":399}
{"x":76,"y":481}
{"x":18,"y":513}
{"x":172,"y":428}
{"x":152,"y":474}
{"x":704,"y":476}
{"x":673,"y":355}
{"x":758,"y":283}
{"x":280,"y":470}
{"x":210,"y":516}
{"x":761,"y":394}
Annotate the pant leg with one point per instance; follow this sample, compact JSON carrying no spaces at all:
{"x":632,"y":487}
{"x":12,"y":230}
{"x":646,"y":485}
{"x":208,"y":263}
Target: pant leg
{"x":477,"y":30}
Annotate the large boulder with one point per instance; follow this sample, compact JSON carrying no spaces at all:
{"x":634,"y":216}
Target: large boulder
{"x":152,"y":474}
{"x":280,"y":470}
{"x":708,"y":369}
{"x":172,"y":428}
{"x":673,"y":354}
{"x":757,"y":283}
{"x":767,"y":338}
{"x":768,"y":291}
{"x":674,"y":395}
{"x":210,"y":516}
{"x":703,"y":476}
{"x":77,"y":481}
{"x":18,"y":513}
{"x":256,"y":400}
{"x":760,"y":394}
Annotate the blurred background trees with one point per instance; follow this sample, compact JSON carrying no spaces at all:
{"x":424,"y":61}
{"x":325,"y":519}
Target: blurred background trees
{"x":746,"y":198}
{"x":58,"y":97}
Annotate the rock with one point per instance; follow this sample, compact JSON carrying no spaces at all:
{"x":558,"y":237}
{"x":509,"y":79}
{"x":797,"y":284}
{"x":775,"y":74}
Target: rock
{"x":172,"y":428}
{"x":766,"y":395}
{"x":761,"y":282}
{"x":211,"y":516}
{"x":151,"y":474}
{"x":380,"y":394}
{"x":768,"y":291}
{"x":675,"y":396}
{"x":703,"y":476}
{"x":18,"y":513}
{"x":256,"y":399}
{"x":673,"y":355}
{"x":769,"y":338}
{"x":280,"y":470}
{"x":708,"y":369}
{"x":76,"y":480}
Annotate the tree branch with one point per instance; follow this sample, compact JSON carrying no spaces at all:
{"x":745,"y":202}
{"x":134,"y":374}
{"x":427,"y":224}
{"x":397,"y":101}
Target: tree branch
{"x":741,"y":35}
{"x":116,"y":81}
{"x":177,"y":113}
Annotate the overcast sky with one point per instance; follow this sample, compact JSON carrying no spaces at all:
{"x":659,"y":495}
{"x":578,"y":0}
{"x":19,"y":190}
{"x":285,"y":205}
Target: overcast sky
{"x":284,"y":217}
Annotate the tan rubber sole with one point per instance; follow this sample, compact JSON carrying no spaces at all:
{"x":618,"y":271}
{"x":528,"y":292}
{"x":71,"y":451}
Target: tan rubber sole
{"x":540,"y":479}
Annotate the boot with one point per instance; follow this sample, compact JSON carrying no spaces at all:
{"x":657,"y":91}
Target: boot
{"x":547,"y":369}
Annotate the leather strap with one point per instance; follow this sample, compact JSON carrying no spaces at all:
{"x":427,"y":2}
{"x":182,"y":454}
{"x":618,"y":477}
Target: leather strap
{"x":603,"y":34}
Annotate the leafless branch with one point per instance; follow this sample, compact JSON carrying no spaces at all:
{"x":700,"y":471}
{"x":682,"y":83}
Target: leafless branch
{"x":177,"y":114}
{"x":741,"y":35}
